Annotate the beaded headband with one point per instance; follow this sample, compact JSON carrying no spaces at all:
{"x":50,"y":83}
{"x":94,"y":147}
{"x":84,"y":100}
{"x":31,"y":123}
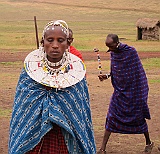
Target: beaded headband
{"x":60,"y":23}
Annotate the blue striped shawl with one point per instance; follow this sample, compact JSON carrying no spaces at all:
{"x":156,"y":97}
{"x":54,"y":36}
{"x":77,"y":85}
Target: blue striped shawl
{"x":128,"y":107}
{"x":35,"y":109}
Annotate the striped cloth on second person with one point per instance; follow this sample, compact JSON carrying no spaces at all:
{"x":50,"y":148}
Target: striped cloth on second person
{"x":128,"y":107}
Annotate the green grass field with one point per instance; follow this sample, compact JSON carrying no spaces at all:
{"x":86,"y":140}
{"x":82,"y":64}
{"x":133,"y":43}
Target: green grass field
{"x":91,"y":21}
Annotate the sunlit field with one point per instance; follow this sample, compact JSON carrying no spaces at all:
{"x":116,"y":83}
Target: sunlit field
{"x":90,"y":21}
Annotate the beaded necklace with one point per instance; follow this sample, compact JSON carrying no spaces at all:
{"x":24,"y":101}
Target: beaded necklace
{"x":63,"y":63}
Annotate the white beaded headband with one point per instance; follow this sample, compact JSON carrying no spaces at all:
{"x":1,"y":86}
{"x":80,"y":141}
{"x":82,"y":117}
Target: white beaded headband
{"x":60,"y":23}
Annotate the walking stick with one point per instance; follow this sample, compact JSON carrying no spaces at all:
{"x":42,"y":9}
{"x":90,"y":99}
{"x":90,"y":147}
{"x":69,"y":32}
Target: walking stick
{"x":99,"y":60}
{"x":35,"y":23}
{"x":99,"y":63}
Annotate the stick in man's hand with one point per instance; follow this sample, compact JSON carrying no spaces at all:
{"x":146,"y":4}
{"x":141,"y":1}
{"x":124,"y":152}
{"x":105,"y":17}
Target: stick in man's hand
{"x":99,"y":60}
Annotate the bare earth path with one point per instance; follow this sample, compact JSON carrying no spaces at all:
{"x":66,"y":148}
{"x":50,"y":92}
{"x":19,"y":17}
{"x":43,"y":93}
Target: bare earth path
{"x":87,"y":55}
{"x":100,"y":93}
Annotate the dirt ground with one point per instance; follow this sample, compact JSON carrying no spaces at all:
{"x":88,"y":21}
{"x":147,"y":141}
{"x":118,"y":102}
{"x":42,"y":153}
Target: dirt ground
{"x":100,"y":93}
{"x":19,"y":56}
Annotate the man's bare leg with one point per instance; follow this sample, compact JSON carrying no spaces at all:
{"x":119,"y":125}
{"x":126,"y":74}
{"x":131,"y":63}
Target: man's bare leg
{"x":104,"y":142}
{"x":149,"y":144}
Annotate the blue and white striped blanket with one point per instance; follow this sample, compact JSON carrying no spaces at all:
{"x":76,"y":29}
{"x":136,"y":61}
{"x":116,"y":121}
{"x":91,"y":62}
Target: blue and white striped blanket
{"x":35,"y":109}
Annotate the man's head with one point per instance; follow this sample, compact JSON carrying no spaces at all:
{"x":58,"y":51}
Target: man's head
{"x":112,"y":42}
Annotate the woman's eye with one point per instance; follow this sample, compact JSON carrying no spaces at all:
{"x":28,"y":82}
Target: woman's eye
{"x":61,"y":40}
{"x":50,"y":40}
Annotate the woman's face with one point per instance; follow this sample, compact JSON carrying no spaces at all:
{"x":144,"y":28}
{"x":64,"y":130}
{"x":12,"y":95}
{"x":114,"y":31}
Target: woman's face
{"x":55,"y":43}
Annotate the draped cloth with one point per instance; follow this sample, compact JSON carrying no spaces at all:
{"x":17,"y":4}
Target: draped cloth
{"x":128,"y":107}
{"x":36,"y":109}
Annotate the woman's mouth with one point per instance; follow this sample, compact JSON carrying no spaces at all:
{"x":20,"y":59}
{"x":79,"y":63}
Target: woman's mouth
{"x":54,"y":52}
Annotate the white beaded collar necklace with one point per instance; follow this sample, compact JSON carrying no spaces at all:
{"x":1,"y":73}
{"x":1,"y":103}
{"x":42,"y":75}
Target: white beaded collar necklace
{"x":59,"y":63}
{"x":69,"y":73}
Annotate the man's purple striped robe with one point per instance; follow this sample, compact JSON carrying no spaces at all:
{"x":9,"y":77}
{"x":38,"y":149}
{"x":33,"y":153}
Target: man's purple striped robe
{"x":128,"y":107}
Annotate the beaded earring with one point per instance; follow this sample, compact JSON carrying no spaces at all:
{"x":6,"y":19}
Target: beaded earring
{"x":118,"y":43}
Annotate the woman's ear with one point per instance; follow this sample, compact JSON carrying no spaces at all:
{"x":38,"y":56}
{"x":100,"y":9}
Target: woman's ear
{"x":42,"y":42}
{"x":67,"y":47}
{"x":68,"y":42}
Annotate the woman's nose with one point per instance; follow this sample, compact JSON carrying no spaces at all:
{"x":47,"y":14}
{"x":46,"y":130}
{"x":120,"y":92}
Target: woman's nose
{"x":55,"y":44}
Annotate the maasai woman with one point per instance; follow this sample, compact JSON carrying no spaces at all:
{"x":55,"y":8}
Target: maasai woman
{"x":128,"y":107}
{"x":51,"y":112}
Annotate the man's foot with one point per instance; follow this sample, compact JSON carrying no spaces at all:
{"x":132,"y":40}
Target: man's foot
{"x":101,"y":151}
{"x":148,"y":148}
